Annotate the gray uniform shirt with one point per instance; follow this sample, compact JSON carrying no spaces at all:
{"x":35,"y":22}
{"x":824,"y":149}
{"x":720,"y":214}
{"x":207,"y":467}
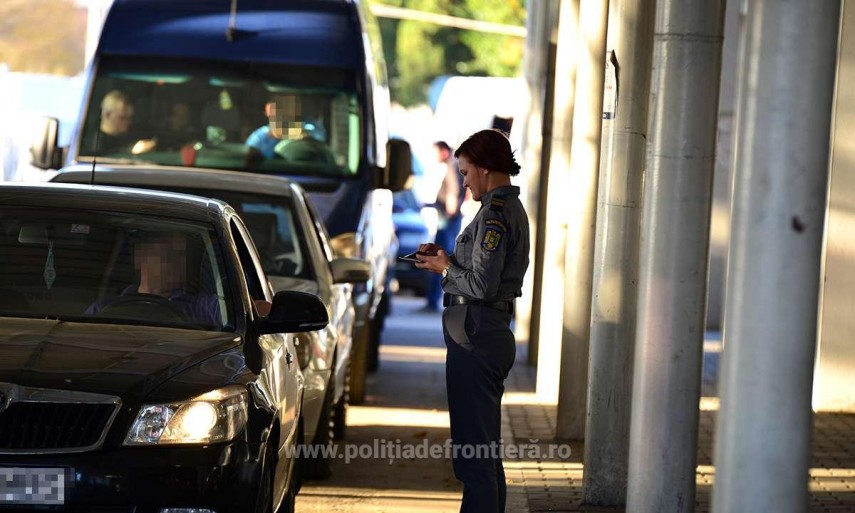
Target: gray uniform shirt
{"x":491,"y":254}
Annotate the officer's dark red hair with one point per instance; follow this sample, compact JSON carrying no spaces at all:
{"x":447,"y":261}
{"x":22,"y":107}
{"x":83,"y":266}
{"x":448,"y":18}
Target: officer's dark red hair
{"x":491,"y":150}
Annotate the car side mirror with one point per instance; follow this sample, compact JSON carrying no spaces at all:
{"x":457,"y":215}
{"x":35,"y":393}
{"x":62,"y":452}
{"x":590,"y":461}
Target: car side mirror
{"x":44,"y":152}
{"x":350,"y":270}
{"x":294,"y":312}
{"x":399,"y":165}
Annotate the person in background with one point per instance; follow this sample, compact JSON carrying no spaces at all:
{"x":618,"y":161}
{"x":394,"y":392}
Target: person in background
{"x":286,"y":135}
{"x":481,"y":279}
{"x":114,"y":134}
{"x":448,"y":202}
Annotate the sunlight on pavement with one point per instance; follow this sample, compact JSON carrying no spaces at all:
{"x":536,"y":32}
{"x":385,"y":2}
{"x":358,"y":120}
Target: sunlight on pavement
{"x":413,"y":354}
{"x":353,"y":500}
{"x":409,"y":417}
{"x":522,"y":398}
{"x":710,"y":403}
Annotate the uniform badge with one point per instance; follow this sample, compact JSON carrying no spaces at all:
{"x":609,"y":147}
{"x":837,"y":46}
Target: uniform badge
{"x":491,"y":240}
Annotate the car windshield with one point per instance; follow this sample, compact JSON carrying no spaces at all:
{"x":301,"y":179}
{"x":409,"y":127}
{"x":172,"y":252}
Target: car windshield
{"x":240,"y":116}
{"x":97,"y":266}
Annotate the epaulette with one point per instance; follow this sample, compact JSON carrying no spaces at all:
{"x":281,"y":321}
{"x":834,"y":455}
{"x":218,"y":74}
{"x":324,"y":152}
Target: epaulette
{"x":497,"y":203}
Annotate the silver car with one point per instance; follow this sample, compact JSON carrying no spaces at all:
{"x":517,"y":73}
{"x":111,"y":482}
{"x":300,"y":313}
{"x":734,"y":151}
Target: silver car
{"x":294,"y":247}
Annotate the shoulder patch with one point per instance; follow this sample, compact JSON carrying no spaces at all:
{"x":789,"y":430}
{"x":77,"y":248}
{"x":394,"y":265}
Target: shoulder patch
{"x":492,"y":238}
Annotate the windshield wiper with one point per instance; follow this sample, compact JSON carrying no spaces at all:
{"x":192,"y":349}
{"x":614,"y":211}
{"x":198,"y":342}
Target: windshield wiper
{"x":118,"y":160}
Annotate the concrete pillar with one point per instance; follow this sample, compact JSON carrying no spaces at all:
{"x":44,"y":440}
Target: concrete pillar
{"x":550,"y":328}
{"x":613,"y":314}
{"x":538,"y":71}
{"x":673,"y":258}
{"x":581,"y":204}
{"x":779,"y":201}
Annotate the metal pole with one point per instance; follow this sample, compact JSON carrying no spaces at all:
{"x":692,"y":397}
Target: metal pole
{"x":581,"y":201}
{"x":674,"y":255}
{"x":613,"y":313}
{"x":552,"y":283}
{"x":539,"y":72}
{"x":779,"y":203}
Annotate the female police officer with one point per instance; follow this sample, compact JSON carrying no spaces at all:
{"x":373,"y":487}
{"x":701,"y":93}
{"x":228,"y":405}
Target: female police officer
{"x":481,"y":279}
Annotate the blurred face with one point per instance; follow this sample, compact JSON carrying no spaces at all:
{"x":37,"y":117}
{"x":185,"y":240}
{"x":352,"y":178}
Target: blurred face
{"x":474,"y":177}
{"x":284,"y":115}
{"x":162,"y":263}
{"x":117,"y":119}
{"x":441,"y":154}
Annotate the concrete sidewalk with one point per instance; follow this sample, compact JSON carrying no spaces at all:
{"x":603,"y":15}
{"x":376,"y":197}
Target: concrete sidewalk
{"x":555,"y":485}
{"x":406,"y":406}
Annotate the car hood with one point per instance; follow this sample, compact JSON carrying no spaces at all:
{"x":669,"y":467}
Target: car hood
{"x":123,"y":360}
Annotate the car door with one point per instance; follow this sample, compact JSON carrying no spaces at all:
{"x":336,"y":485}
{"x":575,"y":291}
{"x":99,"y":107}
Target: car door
{"x":281,"y":374}
{"x":341,"y":304}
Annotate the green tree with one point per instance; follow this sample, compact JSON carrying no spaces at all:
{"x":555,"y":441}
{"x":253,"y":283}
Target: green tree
{"x":418,"y":52}
{"x":42,"y":36}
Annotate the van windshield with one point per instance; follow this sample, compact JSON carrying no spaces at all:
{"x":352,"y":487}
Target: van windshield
{"x":262,"y":117}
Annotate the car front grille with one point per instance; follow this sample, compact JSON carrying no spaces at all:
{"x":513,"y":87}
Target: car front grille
{"x":53,"y":426}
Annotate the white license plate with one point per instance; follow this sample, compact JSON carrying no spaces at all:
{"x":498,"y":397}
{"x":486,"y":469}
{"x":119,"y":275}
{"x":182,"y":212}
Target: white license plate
{"x":27,"y":485}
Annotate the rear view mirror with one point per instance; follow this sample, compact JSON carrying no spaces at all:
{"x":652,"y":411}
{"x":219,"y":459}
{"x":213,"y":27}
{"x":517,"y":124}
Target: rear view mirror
{"x":399,"y":165}
{"x":294,"y":312}
{"x":350,"y":270}
{"x":44,"y":153}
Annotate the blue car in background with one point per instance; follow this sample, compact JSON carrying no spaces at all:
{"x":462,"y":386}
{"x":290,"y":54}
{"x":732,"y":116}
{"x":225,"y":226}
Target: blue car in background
{"x":415,"y":223}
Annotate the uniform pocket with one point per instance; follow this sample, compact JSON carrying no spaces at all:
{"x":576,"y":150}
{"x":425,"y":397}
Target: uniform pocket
{"x":463,"y":248}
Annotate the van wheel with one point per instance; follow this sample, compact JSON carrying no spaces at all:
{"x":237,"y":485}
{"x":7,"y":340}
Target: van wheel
{"x":319,"y":466}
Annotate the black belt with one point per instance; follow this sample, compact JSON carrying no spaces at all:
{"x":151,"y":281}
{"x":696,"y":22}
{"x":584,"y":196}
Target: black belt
{"x":502,"y":306}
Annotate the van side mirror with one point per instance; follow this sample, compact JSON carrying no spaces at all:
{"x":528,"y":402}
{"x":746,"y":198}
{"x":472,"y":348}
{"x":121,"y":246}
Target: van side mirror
{"x":294,"y":312}
{"x":350,"y":270}
{"x":44,"y":153}
{"x":399,"y":165}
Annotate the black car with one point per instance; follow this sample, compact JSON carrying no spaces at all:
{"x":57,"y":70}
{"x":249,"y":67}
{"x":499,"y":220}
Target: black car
{"x":145,"y":364}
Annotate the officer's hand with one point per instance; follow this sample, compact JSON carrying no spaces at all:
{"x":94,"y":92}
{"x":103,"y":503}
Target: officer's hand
{"x":434,"y":264}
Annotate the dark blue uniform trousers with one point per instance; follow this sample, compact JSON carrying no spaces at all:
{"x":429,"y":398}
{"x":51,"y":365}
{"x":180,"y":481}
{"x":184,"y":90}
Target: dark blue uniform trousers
{"x":475,"y":374}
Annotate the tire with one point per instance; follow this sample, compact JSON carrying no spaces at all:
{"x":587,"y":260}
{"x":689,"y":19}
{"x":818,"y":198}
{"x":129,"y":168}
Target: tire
{"x":377,"y":326}
{"x":264,"y":503}
{"x":358,"y":363}
{"x":320,"y":466}
{"x":339,"y":420}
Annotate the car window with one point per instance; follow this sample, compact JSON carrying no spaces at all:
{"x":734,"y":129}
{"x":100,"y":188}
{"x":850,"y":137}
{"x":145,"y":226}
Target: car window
{"x":112,"y":267}
{"x":321,"y":231}
{"x":274,"y":227}
{"x":256,"y":281}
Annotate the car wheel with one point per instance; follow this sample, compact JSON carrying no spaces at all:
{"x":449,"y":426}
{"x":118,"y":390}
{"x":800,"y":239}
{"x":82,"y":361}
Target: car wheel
{"x":358,"y":357}
{"x":319,"y":466}
{"x":264,"y":503}
{"x":339,"y":425}
{"x":383,"y":309}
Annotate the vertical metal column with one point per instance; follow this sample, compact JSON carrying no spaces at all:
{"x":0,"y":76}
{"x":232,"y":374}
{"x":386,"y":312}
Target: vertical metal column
{"x":538,"y":71}
{"x":581,"y":203}
{"x":613,"y":314}
{"x":552,"y":285}
{"x":674,"y":255}
{"x":779,"y":203}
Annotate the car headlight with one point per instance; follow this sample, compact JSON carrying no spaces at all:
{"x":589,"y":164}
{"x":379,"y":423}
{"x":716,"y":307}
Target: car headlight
{"x":216,"y":416}
{"x":346,"y":245}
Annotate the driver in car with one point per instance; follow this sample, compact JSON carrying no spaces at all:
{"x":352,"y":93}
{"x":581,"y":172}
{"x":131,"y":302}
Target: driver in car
{"x":160,"y":259}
